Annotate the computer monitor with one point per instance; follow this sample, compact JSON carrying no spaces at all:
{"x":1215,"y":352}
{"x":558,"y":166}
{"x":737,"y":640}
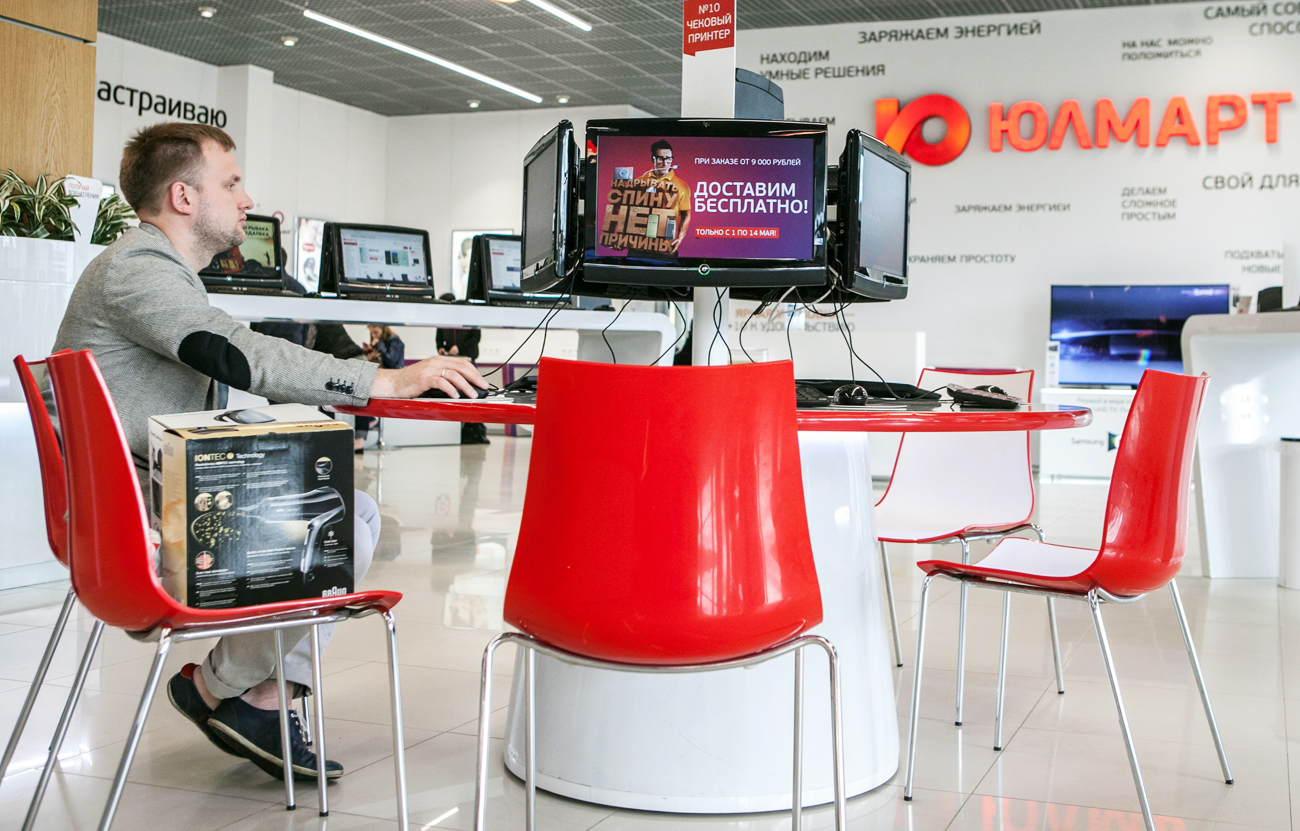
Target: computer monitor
{"x":376,"y":262}
{"x":550,"y":248}
{"x":705,"y":202}
{"x":494,"y":266}
{"x":1109,"y":335}
{"x":255,"y":265}
{"x":874,"y":188}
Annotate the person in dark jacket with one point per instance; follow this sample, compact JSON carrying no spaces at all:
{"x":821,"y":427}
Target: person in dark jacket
{"x":463,"y":343}
{"x":386,"y":349}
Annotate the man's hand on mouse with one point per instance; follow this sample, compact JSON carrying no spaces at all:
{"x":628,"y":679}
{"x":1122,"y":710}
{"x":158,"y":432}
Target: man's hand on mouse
{"x":455,"y":376}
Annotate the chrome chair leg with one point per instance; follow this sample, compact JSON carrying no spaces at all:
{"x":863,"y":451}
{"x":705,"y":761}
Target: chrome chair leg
{"x":961,"y":633}
{"x":1200,"y":681}
{"x":399,"y":743}
{"x":916,"y":691}
{"x":1094,"y":603}
{"x":285,"y":706}
{"x":37,"y":682}
{"x":796,"y":790}
{"x":837,"y":734}
{"x":137,"y":728}
{"x":322,"y":781}
{"x":893,"y":611}
{"x":1056,"y":645}
{"x":65,"y":720}
{"x":530,"y":740}
{"x":1002,"y":671}
{"x":484,"y":737}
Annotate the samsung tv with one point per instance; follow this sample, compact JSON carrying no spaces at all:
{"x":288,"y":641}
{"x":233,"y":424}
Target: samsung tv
{"x":254,"y":266}
{"x":376,"y":262}
{"x":1110,"y":335}
{"x":704,"y":202}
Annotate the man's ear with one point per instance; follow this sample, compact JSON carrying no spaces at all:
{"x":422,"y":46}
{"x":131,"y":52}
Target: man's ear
{"x":180,"y":198}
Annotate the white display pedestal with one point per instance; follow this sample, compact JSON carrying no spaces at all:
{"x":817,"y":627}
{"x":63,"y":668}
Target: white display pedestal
{"x":1254,"y":400}
{"x":1088,"y":452}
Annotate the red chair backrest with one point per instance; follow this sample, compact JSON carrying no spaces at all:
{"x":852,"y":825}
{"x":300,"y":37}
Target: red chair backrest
{"x":110,"y":553}
{"x":664,"y":521}
{"x":53,"y":484}
{"x":1145,"y":536}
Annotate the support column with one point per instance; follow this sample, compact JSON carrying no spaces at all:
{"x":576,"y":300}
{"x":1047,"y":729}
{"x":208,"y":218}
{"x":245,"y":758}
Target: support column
{"x":245,"y":92}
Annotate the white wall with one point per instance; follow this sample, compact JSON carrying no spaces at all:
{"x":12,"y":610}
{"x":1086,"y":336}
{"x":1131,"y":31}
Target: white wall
{"x":464,"y":171}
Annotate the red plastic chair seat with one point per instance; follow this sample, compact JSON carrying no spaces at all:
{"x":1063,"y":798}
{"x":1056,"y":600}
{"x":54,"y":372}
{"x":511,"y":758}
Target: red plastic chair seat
{"x":1028,"y":562}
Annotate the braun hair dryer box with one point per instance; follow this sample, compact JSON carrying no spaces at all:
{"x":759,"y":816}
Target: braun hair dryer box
{"x":254,"y":506}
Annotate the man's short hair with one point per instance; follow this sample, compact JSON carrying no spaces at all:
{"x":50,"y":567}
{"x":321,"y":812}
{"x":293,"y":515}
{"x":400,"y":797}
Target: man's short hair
{"x":161,"y":154}
{"x":660,"y":145}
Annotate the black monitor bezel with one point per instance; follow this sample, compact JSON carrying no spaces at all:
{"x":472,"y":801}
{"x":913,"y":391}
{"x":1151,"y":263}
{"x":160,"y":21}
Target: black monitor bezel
{"x":222,"y":280}
{"x":557,"y":265}
{"x":339,"y":284}
{"x":724,"y":273}
{"x":877,"y":284}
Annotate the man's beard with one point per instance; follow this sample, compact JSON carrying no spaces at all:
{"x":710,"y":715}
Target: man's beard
{"x":212,"y":238}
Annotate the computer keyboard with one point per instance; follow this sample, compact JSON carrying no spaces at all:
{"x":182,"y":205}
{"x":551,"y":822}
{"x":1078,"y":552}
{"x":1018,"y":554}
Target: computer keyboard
{"x":808,"y":397}
{"x":875,"y":389}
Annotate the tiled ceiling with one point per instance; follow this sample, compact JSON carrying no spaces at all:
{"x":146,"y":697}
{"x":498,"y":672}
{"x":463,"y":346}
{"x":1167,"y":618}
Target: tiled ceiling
{"x":631,"y":56}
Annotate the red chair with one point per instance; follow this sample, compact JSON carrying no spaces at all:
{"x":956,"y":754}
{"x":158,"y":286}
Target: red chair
{"x":111,"y":557}
{"x":54,"y":491}
{"x":1142,"y":549}
{"x":962,"y":487}
{"x":664,"y":530}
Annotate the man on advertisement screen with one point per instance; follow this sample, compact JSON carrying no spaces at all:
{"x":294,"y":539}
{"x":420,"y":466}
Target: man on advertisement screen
{"x":648,"y":215}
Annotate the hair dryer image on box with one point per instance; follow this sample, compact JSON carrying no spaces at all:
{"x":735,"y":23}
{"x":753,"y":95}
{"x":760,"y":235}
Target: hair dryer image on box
{"x":307,"y":514}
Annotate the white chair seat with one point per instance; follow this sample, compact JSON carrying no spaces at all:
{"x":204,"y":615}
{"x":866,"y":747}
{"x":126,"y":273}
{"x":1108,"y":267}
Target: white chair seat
{"x":1040,"y":558}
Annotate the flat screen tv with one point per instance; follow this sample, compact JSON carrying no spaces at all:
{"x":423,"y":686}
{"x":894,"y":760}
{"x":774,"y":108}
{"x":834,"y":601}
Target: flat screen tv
{"x":875,"y":183}
{"x":550,"y":248}
{"x":255,"y":265}
{"x":376,"y":261}
{"x":494,"y":274}
{"x":1110,"y":335}
{"x":705,"y":202}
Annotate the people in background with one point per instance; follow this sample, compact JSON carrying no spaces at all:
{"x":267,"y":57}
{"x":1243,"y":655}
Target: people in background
{"x":386,"y":349}
{"x":463,"y":343}
{"x":141,"y":309}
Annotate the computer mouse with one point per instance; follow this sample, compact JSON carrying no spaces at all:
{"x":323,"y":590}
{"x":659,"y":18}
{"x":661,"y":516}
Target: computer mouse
{"x":851,"y":395}
{"x":437,"y":393}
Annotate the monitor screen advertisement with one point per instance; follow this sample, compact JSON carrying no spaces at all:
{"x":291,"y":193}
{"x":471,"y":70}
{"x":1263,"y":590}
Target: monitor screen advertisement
{"x":383,"y":257}
{"x":1110,"y":335}
{"x":705,"y":197}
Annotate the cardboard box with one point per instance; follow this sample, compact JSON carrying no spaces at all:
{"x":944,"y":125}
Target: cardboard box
{"x":254,"y":506}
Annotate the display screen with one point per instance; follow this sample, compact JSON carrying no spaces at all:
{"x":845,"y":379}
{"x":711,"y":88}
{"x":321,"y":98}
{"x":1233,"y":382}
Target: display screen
{"x":383,"y":257}
{"x":882,"y":240}
{"x":255,"y":257}
{"x":1110,"y":335}
{"x":540,"y":179}
{"x":504,"y":264}
{"x":709,"y":197}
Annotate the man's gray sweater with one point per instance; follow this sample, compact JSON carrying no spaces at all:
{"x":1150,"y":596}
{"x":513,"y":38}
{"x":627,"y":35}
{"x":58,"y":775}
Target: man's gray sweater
{"x":144,"y":314}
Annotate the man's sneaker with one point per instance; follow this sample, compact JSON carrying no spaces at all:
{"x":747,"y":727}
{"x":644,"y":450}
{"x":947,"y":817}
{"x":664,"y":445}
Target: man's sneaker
{"x":185,"y":697}
{"x":255,"y":734}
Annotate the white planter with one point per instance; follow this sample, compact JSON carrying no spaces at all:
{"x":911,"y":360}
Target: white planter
{"x":36,"y":279}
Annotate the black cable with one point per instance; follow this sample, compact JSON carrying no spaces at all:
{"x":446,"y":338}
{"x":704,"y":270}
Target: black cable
{"x":612,"y":356}
{"x":757,"y":309}
{"x":853,"y":353}
{"x":843,"y":325}
{"x":716,"y":314}
{"x":678,"y":339}
{"x":545,"y":321}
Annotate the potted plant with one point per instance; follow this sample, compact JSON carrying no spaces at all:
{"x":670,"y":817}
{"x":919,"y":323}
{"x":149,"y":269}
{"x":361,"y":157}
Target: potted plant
{"x":40,"y":211}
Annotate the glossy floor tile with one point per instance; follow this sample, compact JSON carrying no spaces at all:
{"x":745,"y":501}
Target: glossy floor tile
{"x":451,"y":516}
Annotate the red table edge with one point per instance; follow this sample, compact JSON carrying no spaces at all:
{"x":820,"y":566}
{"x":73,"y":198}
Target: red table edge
{"x":1059,"y":417}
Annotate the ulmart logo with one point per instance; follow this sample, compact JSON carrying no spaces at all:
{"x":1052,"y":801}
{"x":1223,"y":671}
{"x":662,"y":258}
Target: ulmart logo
{"x":901,"y":129}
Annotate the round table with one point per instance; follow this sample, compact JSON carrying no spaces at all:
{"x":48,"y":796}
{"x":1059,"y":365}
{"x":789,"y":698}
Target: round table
{"x":720,"y":742}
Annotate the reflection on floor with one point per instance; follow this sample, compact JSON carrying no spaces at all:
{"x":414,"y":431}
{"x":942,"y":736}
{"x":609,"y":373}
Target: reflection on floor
{"x":450,"y":520}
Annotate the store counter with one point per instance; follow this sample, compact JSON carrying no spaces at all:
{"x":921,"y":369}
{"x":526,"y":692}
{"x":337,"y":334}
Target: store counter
{"x":1253,"y":401}
{"x":719,"y":742}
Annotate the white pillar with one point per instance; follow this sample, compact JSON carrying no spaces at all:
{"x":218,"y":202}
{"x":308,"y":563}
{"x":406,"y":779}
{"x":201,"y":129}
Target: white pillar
{"x":245,"y":92}
{"x":709,"y":91}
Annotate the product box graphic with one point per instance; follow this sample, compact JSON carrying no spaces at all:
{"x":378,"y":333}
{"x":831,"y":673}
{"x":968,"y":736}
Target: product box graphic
{"x":254,"y":506}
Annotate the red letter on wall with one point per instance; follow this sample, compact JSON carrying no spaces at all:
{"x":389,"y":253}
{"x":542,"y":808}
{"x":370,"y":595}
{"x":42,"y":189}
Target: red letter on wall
{"x":1269,"y":101}
{"x":1214,"y":122}
{"x":1137,"y":121}
{"x":1069,"y":115}
{"x":1010,"y":126}
{"x":1178,"y":122}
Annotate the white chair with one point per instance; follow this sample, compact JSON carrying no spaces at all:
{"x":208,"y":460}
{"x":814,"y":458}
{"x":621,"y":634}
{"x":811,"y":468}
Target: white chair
{"x":958,"y":488}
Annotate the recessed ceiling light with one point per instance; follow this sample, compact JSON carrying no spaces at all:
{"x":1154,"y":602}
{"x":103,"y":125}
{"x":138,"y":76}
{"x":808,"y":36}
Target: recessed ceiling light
{"x":562,"y":99}
{"x":289,"y":40}
{"x":562,"y":14}
{"x":206,"y":12}
{"x":417,"y":53}
{"x":473,"y":103}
